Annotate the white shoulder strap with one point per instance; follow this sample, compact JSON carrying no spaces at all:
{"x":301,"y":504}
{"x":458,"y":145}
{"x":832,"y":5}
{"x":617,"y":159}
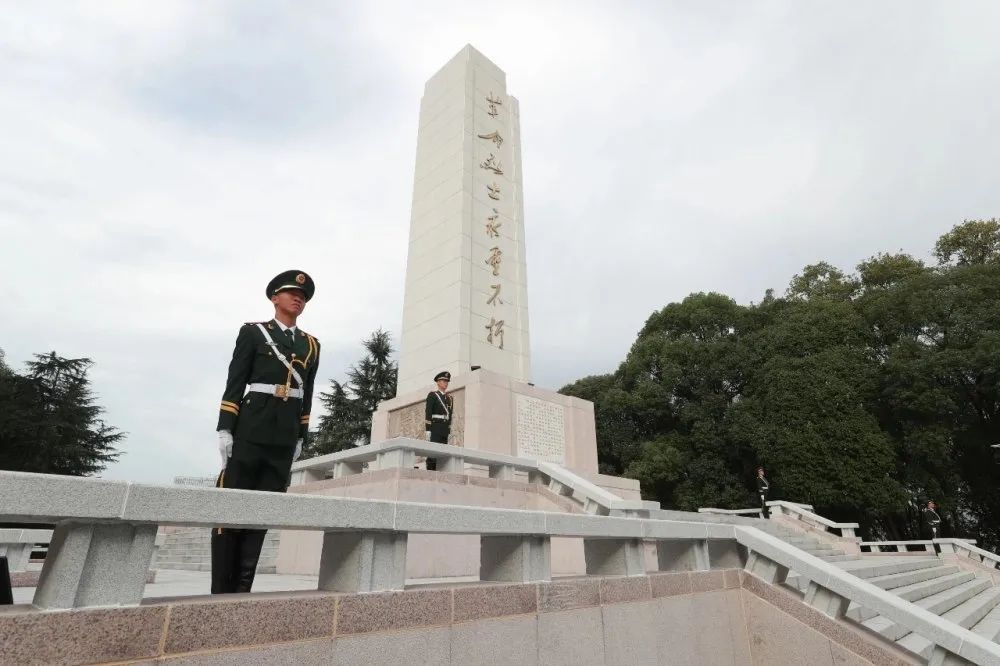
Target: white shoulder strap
{"x":281,"y":357}
{"x":443,"y":404}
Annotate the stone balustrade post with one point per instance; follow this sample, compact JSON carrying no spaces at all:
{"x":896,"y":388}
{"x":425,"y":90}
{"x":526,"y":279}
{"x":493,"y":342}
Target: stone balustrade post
{"x":538,"y":477}
{"x":502,"y":472}
{"x":347,"y":468}
{"x":765,"y":568}
{"x":826,"y":601}
{"x":942,"y":657}
{"x":17,"y":555}
{"x":847,"y":532}
{"x":451,"y":464}
{"x":518,"y":559}
{"x":363,"y":561}
{"x":682,"y":555}
{"x":614,"y":557}
{"x":95,"y":565}
{"x":395,"y":458}
{"x":559,"y":488}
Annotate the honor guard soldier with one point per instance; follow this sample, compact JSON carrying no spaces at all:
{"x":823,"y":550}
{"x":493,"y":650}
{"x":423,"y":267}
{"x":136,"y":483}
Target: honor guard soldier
{"x":263,"y":419}
{"x":762,"y":487}
{"x":437,"y":414}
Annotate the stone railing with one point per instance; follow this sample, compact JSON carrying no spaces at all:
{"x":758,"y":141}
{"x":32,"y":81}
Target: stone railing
{"x":402,"y":452}
{"x":16,"y":545}
{"x":831,"y":590}
{"x":919,"y":546}
{"x":104,"y":539}
{"x":804,"y":513}
{"x":733,"y":512}
{"x":968,"y":549}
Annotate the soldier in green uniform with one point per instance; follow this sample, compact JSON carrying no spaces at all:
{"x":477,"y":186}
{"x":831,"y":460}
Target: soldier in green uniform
{"x":263,"y":419}
{"x":437,"y":414}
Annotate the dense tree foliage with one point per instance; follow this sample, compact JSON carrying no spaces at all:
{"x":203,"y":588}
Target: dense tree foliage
{"x":864,"y":394}
{"x":50,"y":421}
{"x":347,"y":408}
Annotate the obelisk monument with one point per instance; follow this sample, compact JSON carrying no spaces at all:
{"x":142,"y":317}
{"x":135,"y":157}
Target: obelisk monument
{"x":466,"y":300}
{"x":465,"y":307}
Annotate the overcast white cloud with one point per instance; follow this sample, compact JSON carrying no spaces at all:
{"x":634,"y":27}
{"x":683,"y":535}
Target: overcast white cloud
{"x":161,"y":161}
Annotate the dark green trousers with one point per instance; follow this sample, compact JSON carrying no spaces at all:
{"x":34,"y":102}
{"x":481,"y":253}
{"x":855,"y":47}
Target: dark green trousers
{"x":235,"y":552}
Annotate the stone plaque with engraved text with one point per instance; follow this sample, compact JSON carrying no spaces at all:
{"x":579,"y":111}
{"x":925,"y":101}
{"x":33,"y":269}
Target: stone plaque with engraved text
{"x":541,"y":430}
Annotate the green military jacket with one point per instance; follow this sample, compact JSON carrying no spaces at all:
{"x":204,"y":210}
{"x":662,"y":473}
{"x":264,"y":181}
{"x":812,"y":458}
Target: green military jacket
{"x":262,"y":418}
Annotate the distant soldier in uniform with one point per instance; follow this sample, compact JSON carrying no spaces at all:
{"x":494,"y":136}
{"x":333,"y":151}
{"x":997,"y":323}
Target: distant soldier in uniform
{"x":437,"y":414}
{"x":263,"y":419}
{"x":762,"y":487}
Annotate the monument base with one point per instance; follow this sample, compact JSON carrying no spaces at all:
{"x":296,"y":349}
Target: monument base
{"x":498,"y":414}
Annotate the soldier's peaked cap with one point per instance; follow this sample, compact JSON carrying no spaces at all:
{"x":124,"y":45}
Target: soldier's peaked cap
{"x":443,"y":375}
{"x":292,"y":280}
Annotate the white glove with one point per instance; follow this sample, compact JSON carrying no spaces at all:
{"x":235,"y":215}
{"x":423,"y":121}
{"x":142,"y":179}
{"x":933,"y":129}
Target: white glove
{"x":225,"y":445}
{"x":298,"y":450}
{"x":427,"y":435}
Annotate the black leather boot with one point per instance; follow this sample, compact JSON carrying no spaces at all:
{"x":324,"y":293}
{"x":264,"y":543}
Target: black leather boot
{"x":250,"y":545}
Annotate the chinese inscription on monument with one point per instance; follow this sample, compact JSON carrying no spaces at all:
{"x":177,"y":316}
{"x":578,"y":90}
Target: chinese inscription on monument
{"x":541,"y":430}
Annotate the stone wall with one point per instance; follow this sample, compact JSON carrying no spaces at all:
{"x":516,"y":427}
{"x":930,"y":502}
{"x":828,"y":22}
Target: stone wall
{"x":710,"y":617}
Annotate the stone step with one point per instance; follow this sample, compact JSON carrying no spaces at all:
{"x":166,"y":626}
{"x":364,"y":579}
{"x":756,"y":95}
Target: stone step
{"x":905,"y":578}
{"x":842,"y":558}
{"x":939,"y":603}
{"x":870,"y":566}
{"x":989,"y":626}
{"x":964,"y":615}
{"x":824,"y":552}
{"x":915,"y":592}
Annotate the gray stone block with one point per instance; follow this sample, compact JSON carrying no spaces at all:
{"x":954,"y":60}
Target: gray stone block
{"x":567,"y":524}
{"x":826,"y":601}
{"x":502,"y":472}
{"x":726,"y":554}
{"x":17,"y":555}
{"x":347,"y":468}
{"x":418,"y":646}
{"x":571,"y":637}
{"x":522,"y":559}
{"x":363,"y":561}
{"x":614,"y":557}
{"x":682,"y":555}
{"x":49,"y":497}
{"x":766,"y":569}
{"x":663,"y":529}
{"x":451,"y":464}
{"x":445,"y":519}
{"x":395,"y":458}
{"x":95,"y":565}
{"x":189,"y":505}
{"x":510,"y":640}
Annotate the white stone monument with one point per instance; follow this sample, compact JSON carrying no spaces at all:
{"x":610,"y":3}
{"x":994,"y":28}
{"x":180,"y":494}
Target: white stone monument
{"x":466,"y":302}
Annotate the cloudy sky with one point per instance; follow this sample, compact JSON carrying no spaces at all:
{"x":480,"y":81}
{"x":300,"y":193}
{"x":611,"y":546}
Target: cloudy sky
{"x":161,"y":161}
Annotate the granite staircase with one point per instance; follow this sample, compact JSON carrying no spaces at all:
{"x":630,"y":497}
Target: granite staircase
{"x":952,"y":592}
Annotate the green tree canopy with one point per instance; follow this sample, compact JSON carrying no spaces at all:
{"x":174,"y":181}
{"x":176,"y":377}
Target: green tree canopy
{"x":864,"y":394}
{"x":50,"y":421}
{"x":348,"y":407}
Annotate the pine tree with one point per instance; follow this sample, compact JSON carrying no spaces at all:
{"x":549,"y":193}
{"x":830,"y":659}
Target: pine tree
{"x":50,"y":421}
{"x":348,"y":407}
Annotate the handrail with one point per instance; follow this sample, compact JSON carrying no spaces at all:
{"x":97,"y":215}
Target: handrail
{"x":401,"y":452}
{"x":105,"y":535}
{"x":973,"y":552}
{"x":732,"y":512}
{"x":823,"y":576}
{"x":846,"y":529}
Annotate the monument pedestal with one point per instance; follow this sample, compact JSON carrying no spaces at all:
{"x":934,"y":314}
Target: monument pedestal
{"x":498,"y":414}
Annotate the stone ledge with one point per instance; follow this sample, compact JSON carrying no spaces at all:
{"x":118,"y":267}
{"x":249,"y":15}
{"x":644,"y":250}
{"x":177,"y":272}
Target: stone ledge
{"x":856,"y":640}
{"x":30,"y":578}
{"x":167,"y":628}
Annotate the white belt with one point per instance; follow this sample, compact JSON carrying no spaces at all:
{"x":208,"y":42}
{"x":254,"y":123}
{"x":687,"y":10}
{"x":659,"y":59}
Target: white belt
{"x":273,"y":389}
{"x":439,"y":416}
